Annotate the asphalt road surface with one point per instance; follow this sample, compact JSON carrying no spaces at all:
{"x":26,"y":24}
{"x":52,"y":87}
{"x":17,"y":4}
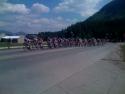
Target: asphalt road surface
{"x":57,"y":71}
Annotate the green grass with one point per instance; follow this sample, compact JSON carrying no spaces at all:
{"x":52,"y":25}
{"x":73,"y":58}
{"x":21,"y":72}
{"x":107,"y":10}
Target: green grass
{"x":5,"y":44}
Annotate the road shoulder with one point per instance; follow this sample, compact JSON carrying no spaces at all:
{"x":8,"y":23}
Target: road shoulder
{"x":106,"y":76}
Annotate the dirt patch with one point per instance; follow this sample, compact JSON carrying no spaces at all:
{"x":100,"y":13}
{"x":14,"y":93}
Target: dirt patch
{"x":117,"y":57}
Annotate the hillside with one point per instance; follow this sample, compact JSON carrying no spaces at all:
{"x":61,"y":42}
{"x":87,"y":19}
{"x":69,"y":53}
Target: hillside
{"x":107,"y":23}
{"x":6,"y":32}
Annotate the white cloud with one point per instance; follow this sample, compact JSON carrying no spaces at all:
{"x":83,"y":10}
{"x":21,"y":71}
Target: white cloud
{"x":6,"y":7}
{"x":83,"y":7}
{"x":2,"y":1}
{"x":13,"y":8}
{"x":40,"y":8}
{"x":30,"y":24}
{"x":2,"y":23}
{"x":46,"y":24}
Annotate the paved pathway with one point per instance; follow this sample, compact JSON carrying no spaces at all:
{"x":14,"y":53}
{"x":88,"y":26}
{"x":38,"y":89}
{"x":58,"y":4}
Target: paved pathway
{"x":61,"y":71}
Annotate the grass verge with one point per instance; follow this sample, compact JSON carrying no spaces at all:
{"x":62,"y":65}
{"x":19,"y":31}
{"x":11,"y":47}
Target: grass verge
{"x":9,"y":45}
{"x":5,"y":44}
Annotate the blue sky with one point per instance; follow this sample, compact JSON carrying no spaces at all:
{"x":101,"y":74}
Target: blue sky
{"x":32,"y":16}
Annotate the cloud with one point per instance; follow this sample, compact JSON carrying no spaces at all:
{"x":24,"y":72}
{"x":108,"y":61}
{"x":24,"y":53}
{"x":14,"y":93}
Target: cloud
{"x":12,"y":8}
{"x":1,"y":1}
{"x":2,"y":23}
{"x":83,"y":7}
{"x":46,"y":24}
{"x":26,"y":19}
{"x":30,"y":20}
{"x":33,"y":24}
{"x":40,"y":8}
{"x":6,"y":7}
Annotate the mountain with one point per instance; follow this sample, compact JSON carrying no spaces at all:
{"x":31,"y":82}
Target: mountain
{"x":20,"y":33}
{"x":11,"y":33}
{"x":113,"y":10}
{"x":109,"y":23}
{"x":6,"y":32}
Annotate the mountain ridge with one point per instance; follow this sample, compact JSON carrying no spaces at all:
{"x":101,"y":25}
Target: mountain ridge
{"x":107,"y":23}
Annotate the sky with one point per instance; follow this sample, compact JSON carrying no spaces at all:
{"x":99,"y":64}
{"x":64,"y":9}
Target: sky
{"x":33,"y":16}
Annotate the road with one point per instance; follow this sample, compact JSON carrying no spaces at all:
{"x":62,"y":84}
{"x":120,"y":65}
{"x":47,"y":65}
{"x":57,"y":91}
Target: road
{"x":59,"y":71}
